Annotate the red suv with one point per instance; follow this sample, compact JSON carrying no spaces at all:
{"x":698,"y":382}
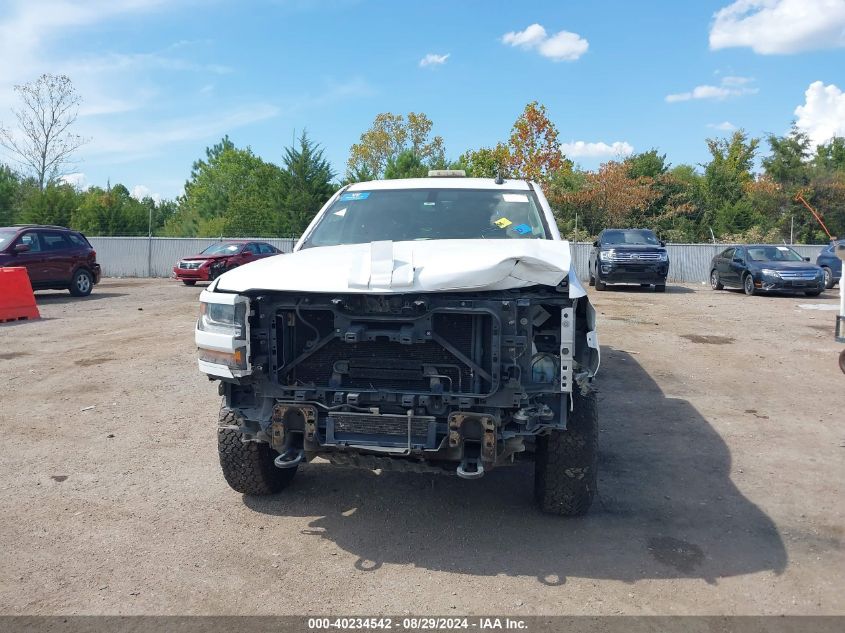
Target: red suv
{"x":218,"y":258}
{"x":55,"y":257}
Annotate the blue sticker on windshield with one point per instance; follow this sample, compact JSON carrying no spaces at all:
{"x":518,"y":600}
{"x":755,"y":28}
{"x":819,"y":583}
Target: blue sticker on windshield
{"x":522,"y":229}
{"x":354,"y":195}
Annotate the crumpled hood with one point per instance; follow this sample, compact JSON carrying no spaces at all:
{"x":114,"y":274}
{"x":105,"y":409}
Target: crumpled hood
{"x":402,"y":267}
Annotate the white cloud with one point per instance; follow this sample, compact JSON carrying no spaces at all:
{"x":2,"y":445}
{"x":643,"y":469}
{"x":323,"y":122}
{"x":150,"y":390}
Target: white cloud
{"x":729,"y":87}
{"x":562,"y":46}
{"x":139,"y":192}
{"x":583,"y":149}
{"x":724,"y":126}
{"x":77,"y":179}
{"x":779,"y":26}
{"x":823,"y":114}
{"x":529,"y":38}
{"x":433,"y":59}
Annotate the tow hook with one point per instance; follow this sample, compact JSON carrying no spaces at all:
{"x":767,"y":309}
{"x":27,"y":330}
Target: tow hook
{"x":290,"y":458}
{"x":470,"y":469}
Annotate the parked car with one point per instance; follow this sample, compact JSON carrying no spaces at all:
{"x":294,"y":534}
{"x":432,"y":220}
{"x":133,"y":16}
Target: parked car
{"x":425,"y":325}
{"x":55,"y":257}
{"x":628,"y":256}
{"x":759,"y":268}
{"x":220,"y":257}
{"x":830,"y":264}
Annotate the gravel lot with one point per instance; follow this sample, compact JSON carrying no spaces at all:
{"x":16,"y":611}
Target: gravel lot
{"x":721,"y":490}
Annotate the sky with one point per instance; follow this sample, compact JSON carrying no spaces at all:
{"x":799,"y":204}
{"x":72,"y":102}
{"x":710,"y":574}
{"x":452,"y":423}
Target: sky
{"x":161,"y":80}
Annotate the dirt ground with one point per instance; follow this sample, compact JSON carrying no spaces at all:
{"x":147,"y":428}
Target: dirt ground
{"x":721,"y":484}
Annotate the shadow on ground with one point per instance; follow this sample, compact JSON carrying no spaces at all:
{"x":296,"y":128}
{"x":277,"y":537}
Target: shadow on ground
{"x":667,"y":507}
{"x":59,"y":297}
{"x":678,"y":290}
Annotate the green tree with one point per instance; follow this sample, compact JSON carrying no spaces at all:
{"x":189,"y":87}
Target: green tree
{"x":389,"y":136}
{"x":110,"y":211}
{"x":231,"y":192}
{"x":831,"y":155}
{"x":308,"y":185}
{"x":787,"y":164}
{"x":487,"y":162}
{"x":648,"y":164}
{"x":56,"y":204}
{"x":9,"y":192}
{"x":405,"y":165}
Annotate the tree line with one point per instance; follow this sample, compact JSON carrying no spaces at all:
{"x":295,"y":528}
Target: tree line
{"x":233,"y":192}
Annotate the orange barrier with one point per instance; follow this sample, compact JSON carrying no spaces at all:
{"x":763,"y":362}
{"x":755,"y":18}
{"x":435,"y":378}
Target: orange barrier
{"x":16,"y":299}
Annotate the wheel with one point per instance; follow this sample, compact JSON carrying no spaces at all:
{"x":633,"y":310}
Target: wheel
{"x":566,"y":462}
{"x":660,"y":288}
{"x":189,"y":282}
{"x":600,"y":285}
{"x":715,"y":284}
{"x":829,"y":281}
{"x":82,"y":283}
{"x":592,"y":280}
{"x":748,"y":285}
{"x":248,"y":466}
{"x":842,"y":361}
{"x":813,"y":293}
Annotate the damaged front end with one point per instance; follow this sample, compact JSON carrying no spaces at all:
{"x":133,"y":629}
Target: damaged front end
{"x":455,"y":381}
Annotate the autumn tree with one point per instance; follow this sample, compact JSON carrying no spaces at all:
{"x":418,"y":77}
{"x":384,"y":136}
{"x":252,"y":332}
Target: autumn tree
{"x":43,"y":142}
{"x":533,"y":145}
{"x":487,"y":162}
{"x":389,"y":136}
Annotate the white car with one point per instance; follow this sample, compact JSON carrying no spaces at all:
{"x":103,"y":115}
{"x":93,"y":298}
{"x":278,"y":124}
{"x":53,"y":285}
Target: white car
{"x":429,"y":324}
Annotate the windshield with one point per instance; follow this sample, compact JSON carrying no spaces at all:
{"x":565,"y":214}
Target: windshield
{"x":6,"y":237}
{"x":773,"y":254}
{"x":630,"y":237}
{"x":428,"y":214}
{"x":222,"y":249}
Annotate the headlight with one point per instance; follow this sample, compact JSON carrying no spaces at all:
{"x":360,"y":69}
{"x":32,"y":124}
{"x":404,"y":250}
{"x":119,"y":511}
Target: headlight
{"x":606,"y":256}
{"x":768,"y":272}
{"x":221,"y":318}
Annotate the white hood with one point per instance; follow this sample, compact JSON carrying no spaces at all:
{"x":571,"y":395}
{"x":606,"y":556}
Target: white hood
{"x":402,"y":267}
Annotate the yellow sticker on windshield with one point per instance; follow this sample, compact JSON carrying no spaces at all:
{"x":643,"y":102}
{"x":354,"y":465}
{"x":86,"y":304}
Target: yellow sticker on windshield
{"x":503,"y":223}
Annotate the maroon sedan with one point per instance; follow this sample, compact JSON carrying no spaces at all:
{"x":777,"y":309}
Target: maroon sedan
{"x":55,"y":257}
{"x":218,"y":258}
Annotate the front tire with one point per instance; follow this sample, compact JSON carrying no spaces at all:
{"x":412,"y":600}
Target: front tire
{"x":812,"y":293}
{"x":660,"y":288}
{"x":566,"y":462}
{"x":189,"y":282}
{"x":748,"y":285}
{"x":829,"y":281}
{"x":248,"y":466}
{"x":715,"y":284}
{"x":82,"y":283}
{"x":600,"y":285}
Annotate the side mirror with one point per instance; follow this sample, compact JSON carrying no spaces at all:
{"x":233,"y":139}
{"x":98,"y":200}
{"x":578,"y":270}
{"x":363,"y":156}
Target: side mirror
{"x":839,"y":251}
{"x":738,"y":260}
{"x":596,"y":243}
{"x":247,"y":253}
{"x":806,"y":259}
{"x":21,"y":248}
{"x":662,"y":243}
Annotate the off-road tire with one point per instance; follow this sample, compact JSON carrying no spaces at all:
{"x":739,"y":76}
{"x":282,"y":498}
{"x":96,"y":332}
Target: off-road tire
{"x":747,"y":287}
{"x":600,"y":285}
{"x":566,"y":462}
{"x":81,"y":284}
{"x":248,"y":466}
{"x":812,"y":293}
{"x":715,"y":284}
{"x":829,"y":279}
{"x":189,"y":282}
{"x":842,"y":361}
{"x":660,"y":288}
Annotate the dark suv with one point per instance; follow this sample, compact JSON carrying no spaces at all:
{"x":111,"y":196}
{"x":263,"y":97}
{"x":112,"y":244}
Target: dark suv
{"x":628,"y":256}
{"x":55,"y":257}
